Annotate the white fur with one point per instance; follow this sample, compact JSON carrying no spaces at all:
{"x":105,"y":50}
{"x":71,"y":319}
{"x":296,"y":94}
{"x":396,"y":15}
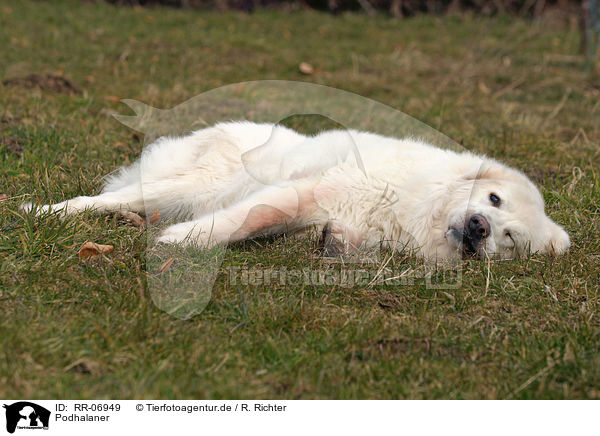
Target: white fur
{"x":237,"y":180}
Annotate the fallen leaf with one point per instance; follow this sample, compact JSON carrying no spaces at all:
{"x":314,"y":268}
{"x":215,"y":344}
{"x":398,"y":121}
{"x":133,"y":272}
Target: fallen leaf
{"x":132,"y":218}
{"x":112,"y":98}
{"x":155,"y":217}
{"x":166,"y":265}
{"x":306,"y":68}
{"x":91,"y":250}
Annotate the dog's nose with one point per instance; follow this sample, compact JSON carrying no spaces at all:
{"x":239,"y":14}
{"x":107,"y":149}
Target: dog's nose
{"x":478,"y":227}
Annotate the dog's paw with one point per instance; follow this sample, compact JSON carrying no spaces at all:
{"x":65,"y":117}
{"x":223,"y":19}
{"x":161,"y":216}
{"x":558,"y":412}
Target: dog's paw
{"x":201,"y":233}
{"x":187,"y":234}
{"x":27,"y":207}
{"x":37,"y":209}
{"x":174,"y":236}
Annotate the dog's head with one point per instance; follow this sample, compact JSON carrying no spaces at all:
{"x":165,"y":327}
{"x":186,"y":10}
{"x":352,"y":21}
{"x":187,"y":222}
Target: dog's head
{"x":497,"y":211}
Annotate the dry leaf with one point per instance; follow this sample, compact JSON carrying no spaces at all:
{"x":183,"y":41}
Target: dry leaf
{"x":3,"y":197}
{"x":91,"y":250}
{"x":306,"y":68}
{"x":166,"y":265}
{"x":133,"y":218}
{"x":113,"y":98}
{"x":155,"y":217}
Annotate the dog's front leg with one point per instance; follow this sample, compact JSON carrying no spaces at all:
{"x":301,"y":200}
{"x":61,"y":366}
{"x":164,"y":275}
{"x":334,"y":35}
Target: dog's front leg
{"x":269,"y":211}
{"x":339,"y":239}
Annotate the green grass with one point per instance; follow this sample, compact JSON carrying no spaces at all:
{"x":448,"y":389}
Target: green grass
{"x":507,"y":87}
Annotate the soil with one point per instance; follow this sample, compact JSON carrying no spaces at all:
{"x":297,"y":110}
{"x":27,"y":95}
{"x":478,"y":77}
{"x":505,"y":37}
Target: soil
{"x":45,"y":82}
{"x":12,"y":144}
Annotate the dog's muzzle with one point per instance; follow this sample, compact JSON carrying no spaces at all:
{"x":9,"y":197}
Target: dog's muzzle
{"x":477,"y":228}
{"x":470,"y":237}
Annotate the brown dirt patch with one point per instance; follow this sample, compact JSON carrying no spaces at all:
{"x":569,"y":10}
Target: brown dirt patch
{"x":12,"y":144}
{"x":45,"y":82}
{"x":540,"y":174}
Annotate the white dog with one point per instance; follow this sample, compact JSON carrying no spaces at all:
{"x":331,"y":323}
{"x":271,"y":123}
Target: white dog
{"x":238,"y":180}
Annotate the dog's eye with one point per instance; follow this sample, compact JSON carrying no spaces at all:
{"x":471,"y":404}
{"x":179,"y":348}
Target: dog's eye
{"x":507,"y":234}
{"x":495,"y":200}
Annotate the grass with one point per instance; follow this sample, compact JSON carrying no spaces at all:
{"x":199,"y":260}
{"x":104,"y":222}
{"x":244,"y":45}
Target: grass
{"x":513,"y":89}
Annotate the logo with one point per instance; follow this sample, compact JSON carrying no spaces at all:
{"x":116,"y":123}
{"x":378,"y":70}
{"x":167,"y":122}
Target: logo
{"x":26,"y":415}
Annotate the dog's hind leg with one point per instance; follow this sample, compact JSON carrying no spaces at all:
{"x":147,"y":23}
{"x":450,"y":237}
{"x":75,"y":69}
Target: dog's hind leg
{"x":127,"y":198}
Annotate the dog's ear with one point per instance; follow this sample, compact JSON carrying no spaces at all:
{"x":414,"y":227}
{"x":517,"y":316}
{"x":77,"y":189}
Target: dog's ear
{"x":482,"y":171}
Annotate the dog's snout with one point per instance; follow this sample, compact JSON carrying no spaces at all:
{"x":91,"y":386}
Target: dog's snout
{"x":478,"y":227}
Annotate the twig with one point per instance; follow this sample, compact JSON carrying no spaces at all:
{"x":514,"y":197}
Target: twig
{"x":531,"y":380}
{"x":489,"y":269}
{"x":559,"y":106}
{"x":508,"y":87}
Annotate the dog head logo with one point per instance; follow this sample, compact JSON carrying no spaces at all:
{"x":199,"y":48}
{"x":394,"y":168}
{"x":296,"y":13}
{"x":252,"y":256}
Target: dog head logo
{"x":26,"y":415}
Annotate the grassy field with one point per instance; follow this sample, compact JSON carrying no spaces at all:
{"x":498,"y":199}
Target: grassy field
{"x":513,"y":89}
